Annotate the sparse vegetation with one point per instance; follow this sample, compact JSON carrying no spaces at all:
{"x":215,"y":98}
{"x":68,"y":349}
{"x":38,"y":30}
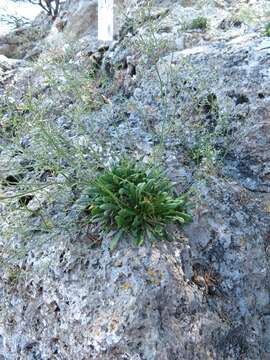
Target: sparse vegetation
{"x":199,"y":23}
{"x":65,"y":136}
{"x":203,"y":152}
{"x":135,"y":200}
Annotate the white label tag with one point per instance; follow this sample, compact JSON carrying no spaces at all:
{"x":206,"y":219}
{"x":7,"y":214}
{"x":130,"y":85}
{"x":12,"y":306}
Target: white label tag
{"x":105,"y":20}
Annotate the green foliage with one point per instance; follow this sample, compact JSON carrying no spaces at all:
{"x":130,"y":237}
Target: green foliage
{"x":200,"y":22}
{"x":267,"y":29}
{"x":135,"y":199}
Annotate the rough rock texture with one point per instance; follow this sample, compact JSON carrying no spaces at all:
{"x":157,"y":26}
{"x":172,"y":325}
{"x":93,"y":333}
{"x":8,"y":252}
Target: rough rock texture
{"x":18,"y":43}
{"x":207,"y":295}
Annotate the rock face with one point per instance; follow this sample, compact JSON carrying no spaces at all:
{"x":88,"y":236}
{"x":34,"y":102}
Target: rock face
{"x":204,"y":296}
{"x":19,"y":42}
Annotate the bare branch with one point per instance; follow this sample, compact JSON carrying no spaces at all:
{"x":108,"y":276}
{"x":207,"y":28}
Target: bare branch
{"x":51,"y":7}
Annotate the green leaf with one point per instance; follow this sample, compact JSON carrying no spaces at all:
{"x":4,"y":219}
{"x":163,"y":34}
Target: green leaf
{"x":120,"y":221}
{"x":136,"y":222}
{"x":126,"y":213}
{"x":184,"y":218}
{"x":115,"y":240}
{"x":140,"y":187}
{"x":108,"y":206}
{"x":139,"y":239}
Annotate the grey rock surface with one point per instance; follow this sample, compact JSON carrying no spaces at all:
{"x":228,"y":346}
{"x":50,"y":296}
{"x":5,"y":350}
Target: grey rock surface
{"x":204,"y":296}
{"x":17,"y":43}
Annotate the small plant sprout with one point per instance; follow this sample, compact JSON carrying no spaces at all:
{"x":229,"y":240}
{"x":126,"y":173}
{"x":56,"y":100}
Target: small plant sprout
{"x":137,"y":201}
{"x":203,"y":152}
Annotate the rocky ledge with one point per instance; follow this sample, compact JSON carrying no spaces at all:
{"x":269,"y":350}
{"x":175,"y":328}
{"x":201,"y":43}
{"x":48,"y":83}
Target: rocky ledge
{"x":204,"y":296}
